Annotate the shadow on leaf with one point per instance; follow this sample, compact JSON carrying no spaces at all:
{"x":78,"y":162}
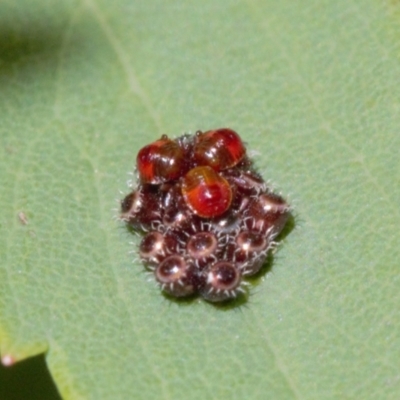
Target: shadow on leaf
{"x":30,"y":46}
{"x":28,"y":379}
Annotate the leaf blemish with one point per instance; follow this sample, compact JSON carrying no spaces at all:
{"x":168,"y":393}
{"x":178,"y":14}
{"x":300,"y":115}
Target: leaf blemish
{"x":22,"y":218}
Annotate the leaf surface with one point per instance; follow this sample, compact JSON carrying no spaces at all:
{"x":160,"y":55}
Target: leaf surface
{"x":313,"y":89}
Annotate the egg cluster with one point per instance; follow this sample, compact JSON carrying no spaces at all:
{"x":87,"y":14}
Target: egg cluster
{"x":207,"y":217}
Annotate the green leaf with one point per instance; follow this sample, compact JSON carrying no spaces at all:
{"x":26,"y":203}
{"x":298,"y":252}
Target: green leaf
{"x":312,"y":86}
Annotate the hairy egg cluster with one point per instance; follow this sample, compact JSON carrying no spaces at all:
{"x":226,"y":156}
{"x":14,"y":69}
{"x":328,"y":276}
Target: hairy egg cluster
{"x":207,"y":217}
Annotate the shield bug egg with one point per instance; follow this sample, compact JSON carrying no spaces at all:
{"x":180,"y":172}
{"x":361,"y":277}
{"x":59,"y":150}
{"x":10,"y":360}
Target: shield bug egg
{"x":203,"y":248}
{"x":267,"y":213}
{"x":140,"y":208}
{"x":202,"y":245}
{"x":206,"y":192}
{"x":222,"y":282}
{"x":155,"y":246}
{"x":251,"y":251}
{"x":160,"y":161}
{"x":219,"y":149}
{"x":175,"y":276}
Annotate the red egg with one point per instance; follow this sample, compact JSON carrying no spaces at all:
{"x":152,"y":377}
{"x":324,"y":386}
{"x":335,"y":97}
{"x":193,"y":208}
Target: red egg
{"x":219,"y":148}
{"x":206,"y":192}
{"x":161,"y":161}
